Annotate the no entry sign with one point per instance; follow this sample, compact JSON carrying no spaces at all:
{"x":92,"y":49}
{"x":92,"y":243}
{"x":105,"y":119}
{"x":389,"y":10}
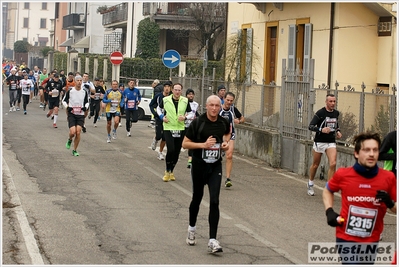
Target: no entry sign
{"x":116,"y":58}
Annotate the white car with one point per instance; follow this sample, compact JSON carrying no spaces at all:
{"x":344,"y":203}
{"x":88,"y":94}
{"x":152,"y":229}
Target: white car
{"x":146,"y":97}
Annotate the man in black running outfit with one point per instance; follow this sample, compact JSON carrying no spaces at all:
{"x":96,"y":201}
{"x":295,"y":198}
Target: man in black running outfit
{"x":325,"y":124}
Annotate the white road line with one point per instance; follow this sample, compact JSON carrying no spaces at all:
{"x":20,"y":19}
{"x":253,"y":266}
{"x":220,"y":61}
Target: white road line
{"x":269,"y":244}
{"x":27,"y":234}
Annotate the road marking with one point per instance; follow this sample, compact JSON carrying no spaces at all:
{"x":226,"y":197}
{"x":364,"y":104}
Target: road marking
{"x":269,"y":244}
{"x":27,"y":234}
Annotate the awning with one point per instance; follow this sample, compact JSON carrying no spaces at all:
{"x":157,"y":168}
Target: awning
{"x":82,"y":43}
{"x":68,"y":42}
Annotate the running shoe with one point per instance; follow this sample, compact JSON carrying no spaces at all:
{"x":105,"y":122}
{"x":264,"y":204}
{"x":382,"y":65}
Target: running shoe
{"x":84,"y":128}
{"x":54,"y":125}
{"x":41,"y":105}
{"x":109,"y":139}
{"x":75,"y":153}
{"x":68,"y":144}
{"x":310,"y":190}
{"x":172,"y":177}
{"x":166,"y":176}
{"x":44,"y":107}
{"x":128,"y":134}
{"x":190,"y":240}
{"x":52,"y":117}
{"x":120,"y":124}
{"x":14,"y":109}
{"x":160,"y":156}
{"x":214,"y":246}
{"x":95,"y":125}
{"x":10,"y":109}
{"x":154,"y":144}
{"x":189,"y":164}
{"x":114,"y":134}
{"x":25,"y":112}
{"x":48,"y":115}
{"x":228,"y":183}
{"x":18,"y":109}
{"x":89,"y":117}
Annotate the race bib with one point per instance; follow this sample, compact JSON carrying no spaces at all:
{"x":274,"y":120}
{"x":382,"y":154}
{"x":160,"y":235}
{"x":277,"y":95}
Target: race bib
{"x":330,"y":123}
{"x":361,"y":221}
{"x":211,"y":155}
{"x":131,"y":104}
{"x":55,"y":93}
{"x":77,"y":110}
{"x":13,"y":85}
{"x":96,"y":96}
{"x":114,"y":105}
{"x":175,"y":134}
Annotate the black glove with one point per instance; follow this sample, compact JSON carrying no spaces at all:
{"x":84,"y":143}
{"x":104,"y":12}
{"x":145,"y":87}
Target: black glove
{"x":84,"y":108}
{"x":70,"y":109}
{"x":384,"y":197}
{"x":332,"y":217}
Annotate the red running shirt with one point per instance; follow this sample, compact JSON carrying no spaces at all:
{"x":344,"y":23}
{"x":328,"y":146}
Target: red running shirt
{"x":363,"y":214}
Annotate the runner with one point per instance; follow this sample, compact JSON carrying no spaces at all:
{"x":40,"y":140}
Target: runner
{"x":53,"y":89}
{"x":173,"y":111}
{"x":234,"y":116}
{"x":121,"y":88}
{"x":13,"y":82}
{"x":194,"y":108}
{"x":158,"y":122}
{"x":76,"y":102}
{"x":207,"y":136}
{"x":131,"y":97}
{"x":42,"y":77}
{"x":325,"y":124}
{"x":26,"y":86}
{"x":367,"y":191}
{"x":88,"y":86}
{"x":95,"y":101}
{"x":113,"y":100}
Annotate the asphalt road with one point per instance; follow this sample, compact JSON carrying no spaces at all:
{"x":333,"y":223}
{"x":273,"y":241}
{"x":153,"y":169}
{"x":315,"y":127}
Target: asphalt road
{"x":110,"y":205}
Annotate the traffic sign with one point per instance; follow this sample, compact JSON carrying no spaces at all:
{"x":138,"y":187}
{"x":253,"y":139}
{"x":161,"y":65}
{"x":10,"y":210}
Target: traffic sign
{"x":116,"y":58}
{"x":171,"y":59}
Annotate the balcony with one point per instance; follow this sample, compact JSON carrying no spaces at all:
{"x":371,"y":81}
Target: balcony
{"x":73,"y":21}
{"x":115,"y":15}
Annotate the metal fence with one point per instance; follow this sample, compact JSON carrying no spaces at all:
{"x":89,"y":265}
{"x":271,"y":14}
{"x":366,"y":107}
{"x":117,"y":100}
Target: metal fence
{"x":289,"y":108}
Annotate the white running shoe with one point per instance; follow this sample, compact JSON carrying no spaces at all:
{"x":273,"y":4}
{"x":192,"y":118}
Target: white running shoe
{"x":10,"y":109}
{"x":109,"y":139}
{"x":214,"y":246}
{"x":310,"y":190}
{"x":154,"y":144}
{"x":128,"y":134}
{"x":95,"y":125}
{"x":120,"y":124}
{"x":14,"y":109}
{"x":190,"y":240}
{"x":160,"y":156}
{"x":114,"y":135}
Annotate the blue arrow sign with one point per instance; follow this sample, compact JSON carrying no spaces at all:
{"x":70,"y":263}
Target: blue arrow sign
{"x":171,"y":59}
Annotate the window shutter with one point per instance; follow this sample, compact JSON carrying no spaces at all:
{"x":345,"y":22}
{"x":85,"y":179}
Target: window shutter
{"x":248,"y":56}
{"x":291,"y":47}
{"x":307,"y":47}
{"x":238,"y":54}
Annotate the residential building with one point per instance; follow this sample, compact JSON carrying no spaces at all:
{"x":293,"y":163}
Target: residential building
{"x":178,"y":22}
{"x":82,"y":25}
{"x":351,"y":42}
{"x":26,"y":21}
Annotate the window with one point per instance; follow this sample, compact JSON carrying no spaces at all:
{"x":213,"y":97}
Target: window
{"x":43,"y":23}
{"x":44,"y":6}
{"x":384,"y":26}
{"x":26,"y":5}
{"x":26,"y":23}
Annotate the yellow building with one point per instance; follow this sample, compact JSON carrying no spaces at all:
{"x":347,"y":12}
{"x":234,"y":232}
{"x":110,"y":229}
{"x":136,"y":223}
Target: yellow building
{"x":350,"y":42}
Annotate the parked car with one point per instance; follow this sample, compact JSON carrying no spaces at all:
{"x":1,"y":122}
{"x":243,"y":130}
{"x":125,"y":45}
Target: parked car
{"x":144,"y":107}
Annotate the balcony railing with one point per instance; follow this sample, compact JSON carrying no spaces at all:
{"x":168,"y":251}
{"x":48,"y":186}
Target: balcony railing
{"x":73,"y":21}
{"x":115,"y":14}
